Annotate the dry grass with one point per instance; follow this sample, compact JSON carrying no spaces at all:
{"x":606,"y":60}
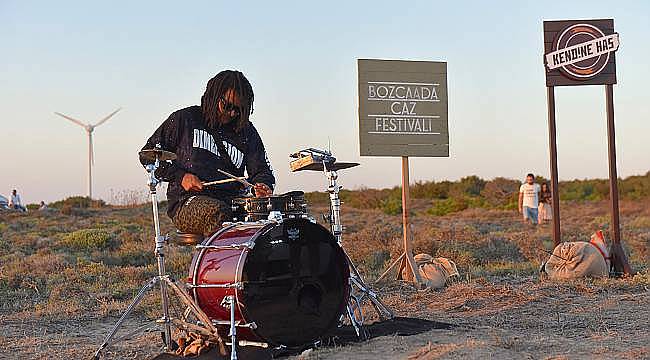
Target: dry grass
{"x":83,"y":264}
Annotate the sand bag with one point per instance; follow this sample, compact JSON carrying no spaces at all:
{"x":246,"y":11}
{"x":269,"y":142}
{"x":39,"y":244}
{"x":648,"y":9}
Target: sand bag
{"x":434,"y":271}
{"x":572,"y":260}
{"x":598,"y":240}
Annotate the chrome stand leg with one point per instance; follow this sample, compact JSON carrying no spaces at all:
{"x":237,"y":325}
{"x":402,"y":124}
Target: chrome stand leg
{"x":229,"y":302}
{"x":165,"y":283}
{"x":107,"y":341}
{"x":356,"y":281}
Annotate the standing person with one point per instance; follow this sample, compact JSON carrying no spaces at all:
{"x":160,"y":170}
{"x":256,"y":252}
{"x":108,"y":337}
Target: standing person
{"x":217,"y":135}
{"x":42,"y":206}
{"x":544,"y":209}
{"x":15,"y":202}
{"x":529,"y":199}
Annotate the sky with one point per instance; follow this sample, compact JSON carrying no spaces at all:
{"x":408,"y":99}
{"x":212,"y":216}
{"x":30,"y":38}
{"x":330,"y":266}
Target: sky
{"x":85,"y":59}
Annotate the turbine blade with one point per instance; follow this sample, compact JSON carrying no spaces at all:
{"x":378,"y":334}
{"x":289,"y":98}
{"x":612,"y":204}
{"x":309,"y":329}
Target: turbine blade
{"x":108,"y":117}
{"x":78,"y":122}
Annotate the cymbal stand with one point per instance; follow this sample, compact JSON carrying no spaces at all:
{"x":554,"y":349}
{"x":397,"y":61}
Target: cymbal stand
{"x":203,"y":324}
{"x":359,"y":290}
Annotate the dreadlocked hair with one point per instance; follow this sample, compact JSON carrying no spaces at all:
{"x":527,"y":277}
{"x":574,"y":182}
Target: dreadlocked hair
{"x":216,"y":90}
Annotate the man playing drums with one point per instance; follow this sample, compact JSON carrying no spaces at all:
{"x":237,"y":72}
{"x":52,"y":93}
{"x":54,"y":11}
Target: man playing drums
{"x":214,"y":136}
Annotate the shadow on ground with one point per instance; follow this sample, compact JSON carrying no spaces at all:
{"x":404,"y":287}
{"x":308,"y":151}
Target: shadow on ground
{"x":399,"y":326}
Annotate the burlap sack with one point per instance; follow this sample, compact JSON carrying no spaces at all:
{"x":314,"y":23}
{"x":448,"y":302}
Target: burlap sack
{"x":434,"y":271}
{"x":572,"y":260}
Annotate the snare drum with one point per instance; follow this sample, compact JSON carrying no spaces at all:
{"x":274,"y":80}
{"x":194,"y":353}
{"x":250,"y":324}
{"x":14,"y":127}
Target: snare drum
{"x":289,"y":279}
{"x":289,"y":205}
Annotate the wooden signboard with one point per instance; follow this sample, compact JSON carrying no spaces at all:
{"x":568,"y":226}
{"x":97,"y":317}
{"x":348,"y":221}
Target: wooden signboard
{"x":403,"y":112}
{"x":403,"y":108}
{"x":581,"y":52}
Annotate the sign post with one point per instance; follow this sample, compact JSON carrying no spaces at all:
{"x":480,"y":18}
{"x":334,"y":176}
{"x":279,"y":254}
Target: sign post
{"x":581,"y":52}
{"x":403,"y":112}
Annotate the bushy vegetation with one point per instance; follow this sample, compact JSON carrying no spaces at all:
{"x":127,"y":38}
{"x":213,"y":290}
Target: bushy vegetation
{"x":87,"y":239}
{"x":448,"y":197}
{"x":79,"y":202}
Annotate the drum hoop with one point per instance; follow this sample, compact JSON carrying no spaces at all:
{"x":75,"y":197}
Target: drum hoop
{"x":200,"y":255}
{"x":238,"y":272}
{"x":240,"y":267}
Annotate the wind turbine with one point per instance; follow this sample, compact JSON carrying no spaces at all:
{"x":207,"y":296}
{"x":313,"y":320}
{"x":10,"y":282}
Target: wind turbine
{"x":89,"y":129}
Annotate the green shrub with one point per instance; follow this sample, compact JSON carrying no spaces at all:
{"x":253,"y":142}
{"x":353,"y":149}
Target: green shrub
{"x":447,"y":206}
{"x":501,"y":192}
{"x":430,"y":190}
{"x":88,"y":239}
{"x":82,"y":202}
{"x":469,"y":185}
{"x":391,"y":205}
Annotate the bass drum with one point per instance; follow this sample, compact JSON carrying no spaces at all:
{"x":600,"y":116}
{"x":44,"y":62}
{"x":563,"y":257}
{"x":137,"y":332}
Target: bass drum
{"x":289,"y":278}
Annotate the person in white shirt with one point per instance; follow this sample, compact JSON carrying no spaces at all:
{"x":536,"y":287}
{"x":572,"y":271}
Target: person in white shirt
{"x":15,"y":203}
{"x":529,"y":199}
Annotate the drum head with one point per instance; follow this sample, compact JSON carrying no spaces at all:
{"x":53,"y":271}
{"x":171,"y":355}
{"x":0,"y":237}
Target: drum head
{"x":296,"y":283}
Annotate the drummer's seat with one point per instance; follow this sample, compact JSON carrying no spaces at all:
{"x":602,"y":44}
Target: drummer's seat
{"x":188,"y":239}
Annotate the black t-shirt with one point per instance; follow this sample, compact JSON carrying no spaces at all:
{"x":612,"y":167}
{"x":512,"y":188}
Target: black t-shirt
{"x":195,"y":144}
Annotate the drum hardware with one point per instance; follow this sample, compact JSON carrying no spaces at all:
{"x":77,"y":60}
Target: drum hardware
{"x":275,"y":215}
{"x":228,"y":302}
{"x":248,"y":245}
{"x":156,"y":156}
{"x":238,"y":323}
{"x":308,"y":160}
{"x":237,"y":285}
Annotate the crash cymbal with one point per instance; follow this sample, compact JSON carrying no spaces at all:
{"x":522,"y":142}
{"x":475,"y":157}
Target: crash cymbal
{"x":339,"y":165}
{"x":153,"y":154}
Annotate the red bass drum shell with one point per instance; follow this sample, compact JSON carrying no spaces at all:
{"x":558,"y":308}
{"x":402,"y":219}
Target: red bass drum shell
{"x":294,"y":280}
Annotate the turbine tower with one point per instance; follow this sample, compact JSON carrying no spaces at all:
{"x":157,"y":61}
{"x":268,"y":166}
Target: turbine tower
{"x":89,"y":129}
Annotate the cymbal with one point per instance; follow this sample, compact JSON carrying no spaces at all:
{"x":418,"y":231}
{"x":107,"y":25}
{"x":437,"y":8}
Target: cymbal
{"x":339,"y":165}
{"x":152,"y":154}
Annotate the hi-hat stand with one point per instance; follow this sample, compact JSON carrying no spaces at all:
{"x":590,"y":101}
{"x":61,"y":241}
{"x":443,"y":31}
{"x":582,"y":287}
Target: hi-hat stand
{"x":321,"y":160}
{"x":203,"y":324}
{"x":358,"y":288}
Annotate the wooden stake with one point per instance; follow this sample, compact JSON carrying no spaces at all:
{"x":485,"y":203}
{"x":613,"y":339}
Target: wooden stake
{"x":552,"y":145}
{"x":408,"y":246}
{"x":619,"y":260}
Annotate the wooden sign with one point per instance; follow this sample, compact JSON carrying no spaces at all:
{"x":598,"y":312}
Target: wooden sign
{"x":580,"y":52}
{"x":403,"y":108}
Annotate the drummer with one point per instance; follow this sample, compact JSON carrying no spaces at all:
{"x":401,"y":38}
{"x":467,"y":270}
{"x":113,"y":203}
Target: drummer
{"x":215,"y":135}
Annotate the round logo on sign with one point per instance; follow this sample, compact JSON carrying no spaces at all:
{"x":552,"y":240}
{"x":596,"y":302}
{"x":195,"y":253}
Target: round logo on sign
{"x":575,"y":35}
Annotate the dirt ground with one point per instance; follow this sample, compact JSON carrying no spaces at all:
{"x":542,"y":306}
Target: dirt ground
{"x":58,"y":298}
{"x":515,"y":318}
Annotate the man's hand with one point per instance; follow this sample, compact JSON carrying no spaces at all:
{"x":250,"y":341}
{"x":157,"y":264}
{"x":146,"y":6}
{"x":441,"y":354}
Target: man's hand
{"x":191,"y":183}
{"x":262,"y":190}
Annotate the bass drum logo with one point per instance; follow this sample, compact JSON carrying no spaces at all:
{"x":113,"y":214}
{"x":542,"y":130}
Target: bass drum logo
{"x":579,"y":34}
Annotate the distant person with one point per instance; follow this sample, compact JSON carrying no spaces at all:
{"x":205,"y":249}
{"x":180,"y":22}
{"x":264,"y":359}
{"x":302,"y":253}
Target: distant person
{"x":545,"y":210}
{"x":42,"y":206}
{"x":15,"y":202}
{"x":529,"y":199}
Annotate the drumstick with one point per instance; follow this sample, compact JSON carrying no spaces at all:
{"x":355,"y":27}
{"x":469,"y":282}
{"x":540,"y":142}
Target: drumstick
{"x":222,"y":181}
{"x":235,"y":178}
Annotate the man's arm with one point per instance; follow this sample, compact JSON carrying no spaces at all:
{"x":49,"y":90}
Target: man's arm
{"x":257,"y":162}
{"x":167,"y":137}
{"x":521,"y":201}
